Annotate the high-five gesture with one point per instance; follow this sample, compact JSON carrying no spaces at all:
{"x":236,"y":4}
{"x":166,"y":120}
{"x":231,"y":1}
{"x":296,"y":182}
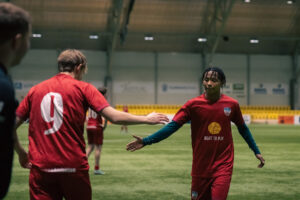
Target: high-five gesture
{"x":118,"y":117}
{"x":157,"y":118}
{"x":210,"y":130}
{"x":135,"y":145}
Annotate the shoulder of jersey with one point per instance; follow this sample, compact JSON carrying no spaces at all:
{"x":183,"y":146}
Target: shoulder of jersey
{"x":228,"y":98}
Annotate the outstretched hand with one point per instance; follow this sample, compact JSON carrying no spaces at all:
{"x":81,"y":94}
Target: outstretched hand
{"x":157,"y":118}
{"x":135,"y":145}
{"x":261,"y":159}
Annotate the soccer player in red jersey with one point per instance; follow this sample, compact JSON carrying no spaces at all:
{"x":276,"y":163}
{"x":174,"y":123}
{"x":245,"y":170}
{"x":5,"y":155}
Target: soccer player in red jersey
{"x":210,"y":115}
{"x":95,"y":128}
{"x":57,"y":111}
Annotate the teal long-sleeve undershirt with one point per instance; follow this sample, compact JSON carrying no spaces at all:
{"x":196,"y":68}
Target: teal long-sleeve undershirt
{"x":162,"y":133}
{"x":246,"y":134}
{"x":173,"y":126}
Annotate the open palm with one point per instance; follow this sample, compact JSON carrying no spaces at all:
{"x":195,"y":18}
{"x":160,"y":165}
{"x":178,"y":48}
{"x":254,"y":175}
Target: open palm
{"x":135,"y":145}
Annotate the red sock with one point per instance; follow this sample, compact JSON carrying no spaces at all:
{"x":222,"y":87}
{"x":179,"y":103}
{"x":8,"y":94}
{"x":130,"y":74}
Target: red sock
{"x":96,"y":167}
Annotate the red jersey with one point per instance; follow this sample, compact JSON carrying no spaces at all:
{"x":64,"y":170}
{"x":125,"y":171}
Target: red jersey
{"x":57,"y":110}
{"x":211,"y":133}
{"x":94,"y":120}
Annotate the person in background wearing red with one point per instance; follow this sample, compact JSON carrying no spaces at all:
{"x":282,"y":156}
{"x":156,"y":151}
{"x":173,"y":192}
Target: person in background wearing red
{"x":95,"y":128}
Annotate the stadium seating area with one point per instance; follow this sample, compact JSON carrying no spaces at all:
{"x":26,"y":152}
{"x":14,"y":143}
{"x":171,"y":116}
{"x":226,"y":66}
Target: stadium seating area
{"x":257,"y":112}
{"x":268,"y":112}
{"x":144,"y":109}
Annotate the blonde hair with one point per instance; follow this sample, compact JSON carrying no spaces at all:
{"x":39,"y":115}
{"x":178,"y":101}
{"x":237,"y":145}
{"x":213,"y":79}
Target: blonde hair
{"x":69,"y":59}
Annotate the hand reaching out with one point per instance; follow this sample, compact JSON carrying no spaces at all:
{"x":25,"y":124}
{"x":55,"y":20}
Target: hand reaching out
{"x":135,"y":145}
{"x":157,"y":118}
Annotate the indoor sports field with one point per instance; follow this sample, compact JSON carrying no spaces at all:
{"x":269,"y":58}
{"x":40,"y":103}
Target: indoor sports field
{"x":162,"y":171}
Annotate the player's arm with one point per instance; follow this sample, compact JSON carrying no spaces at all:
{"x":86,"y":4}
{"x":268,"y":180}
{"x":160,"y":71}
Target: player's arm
{"x":105,"y":124}
{"x":118,"y":117}
{"x":23,"y":156}
{"x":158,"y":136}
{"x":246,"y":134}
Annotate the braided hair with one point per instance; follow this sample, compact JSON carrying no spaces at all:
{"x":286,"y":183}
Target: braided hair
{"x":216,"y":72}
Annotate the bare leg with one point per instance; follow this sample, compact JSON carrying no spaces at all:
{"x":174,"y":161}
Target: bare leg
{"x":97,"y":155}
{"x":89,"y":150}
{"x":124,"y":129}
{"x":98,"y":171}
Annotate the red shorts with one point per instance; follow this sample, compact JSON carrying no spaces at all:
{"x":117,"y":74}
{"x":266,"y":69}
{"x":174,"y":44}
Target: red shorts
{"x":95,"y":135}
{"x":215,"y":188}
{"x":55,"y":186}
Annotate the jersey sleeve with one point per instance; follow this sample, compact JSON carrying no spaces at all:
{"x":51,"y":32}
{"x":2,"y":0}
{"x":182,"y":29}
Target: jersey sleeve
{"x":237,"y":117}
{"x":94,"y":98}
{"x":162,"y":134}
{"x":183,"y":115}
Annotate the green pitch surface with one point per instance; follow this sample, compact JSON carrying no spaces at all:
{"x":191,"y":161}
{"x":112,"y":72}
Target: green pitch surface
{"x":162,"y":171}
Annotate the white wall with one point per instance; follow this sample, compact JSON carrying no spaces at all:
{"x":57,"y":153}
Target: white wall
{"x":178,"y":77}
{"x":133,"y":78}
{"x":96,"y":61}
{"x":37,"y":65}
{"x":177,"y":74}
{"x":235,"y":69}
{"x":270,"y":72}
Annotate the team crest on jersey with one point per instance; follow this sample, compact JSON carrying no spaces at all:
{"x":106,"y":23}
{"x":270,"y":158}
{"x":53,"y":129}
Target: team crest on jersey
{"x":227,"y":111}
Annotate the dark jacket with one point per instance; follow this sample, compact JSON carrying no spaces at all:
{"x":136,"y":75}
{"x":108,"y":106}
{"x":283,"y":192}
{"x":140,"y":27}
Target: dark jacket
{"x":8,"y":105}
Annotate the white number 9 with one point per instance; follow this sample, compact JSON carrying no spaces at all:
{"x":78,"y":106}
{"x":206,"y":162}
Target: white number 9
{"x":57,"y":118}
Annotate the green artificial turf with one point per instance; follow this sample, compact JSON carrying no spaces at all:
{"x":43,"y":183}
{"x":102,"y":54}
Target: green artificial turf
{"x":162,"y":171}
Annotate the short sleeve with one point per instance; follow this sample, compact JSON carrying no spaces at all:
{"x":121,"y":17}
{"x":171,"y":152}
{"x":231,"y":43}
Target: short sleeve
{"x":183,"y":115}
{"x":237,"y":116}
{"x":94,"y":98}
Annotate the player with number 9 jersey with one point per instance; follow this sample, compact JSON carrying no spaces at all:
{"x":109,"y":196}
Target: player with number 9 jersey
{"x":57,"y":110}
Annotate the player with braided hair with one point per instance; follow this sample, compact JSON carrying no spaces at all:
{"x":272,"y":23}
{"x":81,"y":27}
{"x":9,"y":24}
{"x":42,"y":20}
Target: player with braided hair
{"x":210,"y":115}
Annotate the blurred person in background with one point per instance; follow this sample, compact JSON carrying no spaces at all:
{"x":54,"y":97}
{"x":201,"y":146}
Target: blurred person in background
{"x":95,"y":128}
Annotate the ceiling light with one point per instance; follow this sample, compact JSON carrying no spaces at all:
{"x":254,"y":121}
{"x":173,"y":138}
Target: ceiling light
{"x":203,"y":39}
{"x":247,"y":1}
{"x":94,"y":37}
{"x":148,"y":38}
{"x":254,"y":41}
{"x":290,"y":2}
{"x":36,"y":35}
